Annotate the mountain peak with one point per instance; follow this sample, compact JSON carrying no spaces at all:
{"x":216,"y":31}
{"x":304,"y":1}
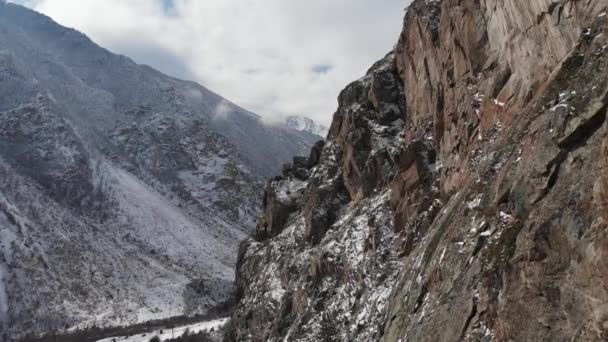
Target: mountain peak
{"x":305,"y":124}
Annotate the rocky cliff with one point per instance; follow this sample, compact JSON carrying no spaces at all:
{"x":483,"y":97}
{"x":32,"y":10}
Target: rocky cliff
{"x":462,"y":193}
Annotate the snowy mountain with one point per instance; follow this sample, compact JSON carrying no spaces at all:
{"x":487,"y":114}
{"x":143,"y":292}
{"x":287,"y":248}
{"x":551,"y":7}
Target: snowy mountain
{"x":304,"y":124}
{"x":123,"y":192}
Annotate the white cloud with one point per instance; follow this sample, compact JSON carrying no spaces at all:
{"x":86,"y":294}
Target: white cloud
{"x":274,"y":57}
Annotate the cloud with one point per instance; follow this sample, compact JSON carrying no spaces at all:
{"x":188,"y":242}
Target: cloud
{"x":222,"y":110}
{"x":322,"y":69}
{"x":168,"y":6}
{"x":273,"y":57}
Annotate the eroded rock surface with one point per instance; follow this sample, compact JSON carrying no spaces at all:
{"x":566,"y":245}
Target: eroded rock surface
{"x":461,"y":195}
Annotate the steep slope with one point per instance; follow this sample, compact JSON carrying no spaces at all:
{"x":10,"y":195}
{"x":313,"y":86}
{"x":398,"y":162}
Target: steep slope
{"x":117,"y":86}
{"x":123,"y":192}
{"x":461,"y":194}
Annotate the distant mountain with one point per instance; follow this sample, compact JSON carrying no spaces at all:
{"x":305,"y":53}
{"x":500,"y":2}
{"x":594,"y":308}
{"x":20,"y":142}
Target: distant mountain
{"x":123,"y":192}
{"x":304,"y":124}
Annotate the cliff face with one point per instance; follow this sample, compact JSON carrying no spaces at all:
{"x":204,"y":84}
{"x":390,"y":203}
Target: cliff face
{"x":462,"y":193}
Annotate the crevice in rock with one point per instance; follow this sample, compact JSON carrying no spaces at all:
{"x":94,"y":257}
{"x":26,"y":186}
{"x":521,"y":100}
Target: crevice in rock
{"x":420,"y":299}
{"x":461,"y":49}
{"x":428,"y":75}
{"x":573,"y":141}
{"x":481,"y":241}
{"x":554,"y":171}
{"x":501,"y":81}
{"x":469,"y":320}
{"x":585,"y":131}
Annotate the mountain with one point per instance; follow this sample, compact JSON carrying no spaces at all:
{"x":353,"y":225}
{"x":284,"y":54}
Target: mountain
{"x":462,"y":193}
{"x":301,"y":123}
{"x":123,"y":191}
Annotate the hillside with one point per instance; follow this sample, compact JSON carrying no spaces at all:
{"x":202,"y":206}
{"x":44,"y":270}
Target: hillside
{"x":123,"y":191}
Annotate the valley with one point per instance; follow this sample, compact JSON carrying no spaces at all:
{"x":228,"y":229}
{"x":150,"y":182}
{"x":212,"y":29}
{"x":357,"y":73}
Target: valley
{"x":460,"y":192}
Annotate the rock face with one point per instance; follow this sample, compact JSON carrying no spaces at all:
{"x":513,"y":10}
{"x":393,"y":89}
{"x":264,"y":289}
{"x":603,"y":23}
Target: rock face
{"x":123,"y":192}
{"x":461,"y":194}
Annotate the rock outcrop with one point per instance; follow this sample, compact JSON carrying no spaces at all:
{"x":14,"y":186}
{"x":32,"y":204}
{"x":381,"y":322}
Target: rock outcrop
{"x":336,"y":238}
{"x":461,"y":195}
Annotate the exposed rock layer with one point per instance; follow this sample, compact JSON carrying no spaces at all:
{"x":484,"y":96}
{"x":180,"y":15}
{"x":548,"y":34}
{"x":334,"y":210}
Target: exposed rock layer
{"x":468,"y":205}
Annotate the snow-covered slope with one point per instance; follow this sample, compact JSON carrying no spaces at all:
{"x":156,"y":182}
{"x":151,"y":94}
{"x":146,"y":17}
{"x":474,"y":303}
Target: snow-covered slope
{"x":169,"y":334}
{"x":302,"y":123}
{"x":123,"y":192}
{"x":81,"y":75}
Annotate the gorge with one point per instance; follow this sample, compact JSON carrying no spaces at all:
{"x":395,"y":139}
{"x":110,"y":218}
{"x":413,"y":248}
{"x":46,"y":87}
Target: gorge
{"x":461,"y":193}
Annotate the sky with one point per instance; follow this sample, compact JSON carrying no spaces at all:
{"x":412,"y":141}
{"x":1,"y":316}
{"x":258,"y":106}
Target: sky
{"x":273,"y":57}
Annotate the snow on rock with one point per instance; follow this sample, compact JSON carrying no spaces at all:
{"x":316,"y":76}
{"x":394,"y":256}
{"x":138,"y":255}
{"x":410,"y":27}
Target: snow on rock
{"x":301,"y":123}
{"x":329,"y":269}
{"x":479,"y":216}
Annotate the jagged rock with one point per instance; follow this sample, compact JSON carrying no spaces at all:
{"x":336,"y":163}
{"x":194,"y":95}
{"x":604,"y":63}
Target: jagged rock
{"x":34,"y":141}
{"x":415,"y":198}
{"x":325,"y":194}
{"x":298,"y":169}
{"x":364,"y":124}
{"x":300,"y":162}
{"x":386,"y":93}
{"x":487,"y":218}
{"x":281,"y":199}
{"x":317,"y":224}
{"x":315,"y":154}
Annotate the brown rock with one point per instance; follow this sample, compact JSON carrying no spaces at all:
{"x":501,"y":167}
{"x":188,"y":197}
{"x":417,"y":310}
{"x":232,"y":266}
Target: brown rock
{"x":496,"y":180}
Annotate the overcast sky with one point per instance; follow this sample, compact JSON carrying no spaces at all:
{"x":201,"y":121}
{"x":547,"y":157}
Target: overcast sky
{"x":273,"y":57}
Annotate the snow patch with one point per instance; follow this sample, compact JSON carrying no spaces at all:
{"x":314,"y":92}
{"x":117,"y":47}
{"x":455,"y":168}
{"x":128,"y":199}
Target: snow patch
{"x":171,"y":333}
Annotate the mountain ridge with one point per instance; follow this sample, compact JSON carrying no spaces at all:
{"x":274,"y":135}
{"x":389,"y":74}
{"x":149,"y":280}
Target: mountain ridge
{"x":302,"y":123}
{"x":123,"y":196}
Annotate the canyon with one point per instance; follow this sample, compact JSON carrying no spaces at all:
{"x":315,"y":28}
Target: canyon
{"x":461,"y":193}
